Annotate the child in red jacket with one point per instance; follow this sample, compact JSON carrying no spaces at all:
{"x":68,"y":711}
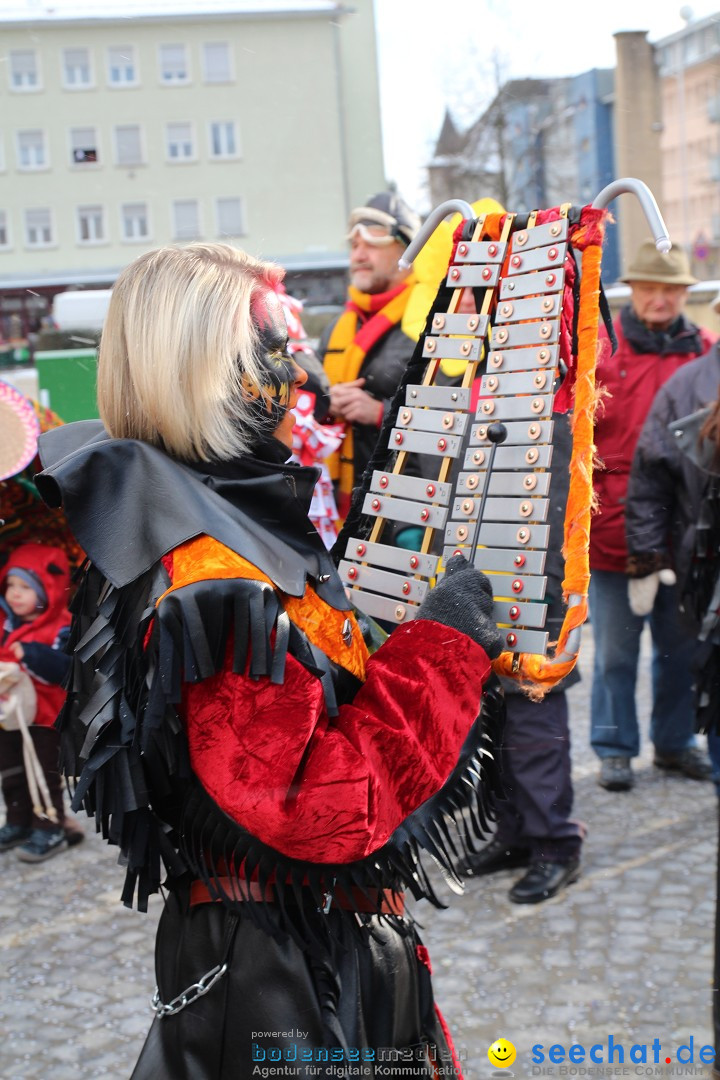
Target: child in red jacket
{"x":34,"y":625}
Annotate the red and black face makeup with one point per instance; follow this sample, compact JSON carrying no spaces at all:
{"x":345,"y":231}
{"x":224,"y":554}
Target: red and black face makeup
{"x":278,"y":372}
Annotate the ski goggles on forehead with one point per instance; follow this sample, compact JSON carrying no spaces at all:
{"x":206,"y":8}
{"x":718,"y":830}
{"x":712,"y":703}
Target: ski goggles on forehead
{"x":375,"y":227}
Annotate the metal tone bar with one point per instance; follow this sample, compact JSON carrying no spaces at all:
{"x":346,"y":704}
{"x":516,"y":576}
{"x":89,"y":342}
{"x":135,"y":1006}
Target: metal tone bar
{"x":410,"y":487}
{"x":530,"y":614}
{"x":492,"y":535}
{"x":392,"y":558}
{"x":526,"y":641}
{"x":480,"y":251}
{"x":429,"y":517}
{"x":514,"y":510}
{"x":451,"y":348}
{"x":382,"y":607}
{"x":512,"y":562}
{"x":425,"y":442}
{"x":515,"y":457}
{"x":449,"y":323}
{"x":498,"y":559}
{"x":536,"y":307}
{"x":438,"y":420}
{"x":547,"y":281}
{"x":536,"y":259}
{"x":554,"y":232}
{"x":524,"y":359}
{"x":438,"y":397}
{"x":534,"y":484}
{"x":475,"y":277}
{"x":544,"y":332}
{"x":521,"y":587}
{"x":509,"y":383}
{"x":539,"y":405}
{"x":398,"y":585}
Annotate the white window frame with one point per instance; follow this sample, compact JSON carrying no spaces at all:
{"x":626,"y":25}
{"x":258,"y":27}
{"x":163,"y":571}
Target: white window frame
{"x":7,"y":246}
{"x":93,"y":145}
{"x":45,"y":244}
{"x":66,"y":83}
{"x":161,"y":76}
{"x":141,"y":141}
{"x":223,"y":156}
{"x":200,"y":225}
{"x":122,"y":84}
{"x":242,"y":231}
{"x":123,"y":233}
{"x":206,"y":74}
{"x":24,"y":88}
{"x":192,"y":142}
{"x":98,"y":212}
{"x":32,"y":167}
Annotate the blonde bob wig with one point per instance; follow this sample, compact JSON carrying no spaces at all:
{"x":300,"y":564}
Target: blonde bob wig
{"x":177,"y":344}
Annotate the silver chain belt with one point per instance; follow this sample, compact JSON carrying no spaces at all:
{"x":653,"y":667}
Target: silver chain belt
{"x":192,"y":993}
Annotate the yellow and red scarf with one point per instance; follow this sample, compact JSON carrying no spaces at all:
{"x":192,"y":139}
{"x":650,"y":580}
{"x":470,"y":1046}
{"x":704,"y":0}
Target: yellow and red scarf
{"x":366,"y":319}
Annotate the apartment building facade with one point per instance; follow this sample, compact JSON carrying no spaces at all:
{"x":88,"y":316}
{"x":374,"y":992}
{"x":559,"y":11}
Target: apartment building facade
{"x":259,"y":127}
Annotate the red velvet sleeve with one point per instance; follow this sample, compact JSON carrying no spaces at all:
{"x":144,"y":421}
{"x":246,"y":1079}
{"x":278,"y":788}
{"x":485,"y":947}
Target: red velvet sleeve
{"x":333,"y":789}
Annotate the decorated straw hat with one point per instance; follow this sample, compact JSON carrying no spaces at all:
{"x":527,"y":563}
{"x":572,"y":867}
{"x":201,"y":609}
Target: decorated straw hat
{"x":650,"y":264}
{"x":19,"y":430}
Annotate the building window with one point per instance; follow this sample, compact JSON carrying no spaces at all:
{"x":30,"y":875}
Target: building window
{"x":230,"y":217}
{"x":134,"y":221}
{"x":91,"y":224}
{"x":128,"y":144}
{"x":173,"y":64}
{"x":24,"y":70}
{"x":4,"y":230}
{"x":38,"y":228}
{"x":223,"y":139}
{"x":121,"y":65}
{"x":76,"y":67}
{"x":180,"y":142}
{"x":83,"y":142}
{"x":186,"y":219}
{"x":216,"y":62}
{"x":31,"y":150}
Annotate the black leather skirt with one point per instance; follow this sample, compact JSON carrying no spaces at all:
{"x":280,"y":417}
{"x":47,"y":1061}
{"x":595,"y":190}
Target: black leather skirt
{"x":360,"y":1007}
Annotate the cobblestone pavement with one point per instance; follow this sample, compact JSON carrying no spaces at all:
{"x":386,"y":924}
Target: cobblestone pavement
{"x":626,"y":951}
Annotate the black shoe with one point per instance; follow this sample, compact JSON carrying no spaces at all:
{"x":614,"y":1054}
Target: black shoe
{"x":497,"y":855}
{"x":692,"y":762}
{"x":12,"y":835}
{"x":616,"y":774}
{"x":42,"y":844}
{"x":543,"y":880}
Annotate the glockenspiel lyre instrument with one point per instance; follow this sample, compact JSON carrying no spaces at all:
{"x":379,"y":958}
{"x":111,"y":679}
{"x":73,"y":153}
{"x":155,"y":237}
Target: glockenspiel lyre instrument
{"x":536,"y":283}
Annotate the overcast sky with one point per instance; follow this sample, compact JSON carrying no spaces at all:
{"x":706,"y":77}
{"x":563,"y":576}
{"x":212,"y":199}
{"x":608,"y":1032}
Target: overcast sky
{"x":432,"y":54}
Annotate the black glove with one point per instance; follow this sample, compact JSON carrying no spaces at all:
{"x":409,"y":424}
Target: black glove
{"x":464,"y":600}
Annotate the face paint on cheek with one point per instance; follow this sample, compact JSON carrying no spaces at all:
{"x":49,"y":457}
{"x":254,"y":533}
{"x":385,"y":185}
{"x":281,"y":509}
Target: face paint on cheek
{"x":277,"y":371}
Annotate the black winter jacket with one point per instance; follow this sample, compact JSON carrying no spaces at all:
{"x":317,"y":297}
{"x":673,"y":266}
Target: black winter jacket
{"x":665,"y":489}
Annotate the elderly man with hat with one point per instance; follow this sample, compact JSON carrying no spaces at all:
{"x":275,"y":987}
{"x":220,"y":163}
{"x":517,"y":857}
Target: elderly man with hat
{"x":365,"y":350}
{"x":655,"y":339}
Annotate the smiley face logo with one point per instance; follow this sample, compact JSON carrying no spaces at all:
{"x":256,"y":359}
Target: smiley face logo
{"x":502,"y":1053}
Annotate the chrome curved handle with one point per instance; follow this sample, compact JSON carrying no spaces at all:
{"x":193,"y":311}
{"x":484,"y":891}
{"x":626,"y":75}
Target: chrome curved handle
{"x":428,"y":227}
{"x":628,"y":184}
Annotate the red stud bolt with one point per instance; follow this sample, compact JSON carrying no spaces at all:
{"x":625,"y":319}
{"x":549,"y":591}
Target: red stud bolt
{"x":383,"y":481}
{"x":517,"y":586}
{"x":399,"y":438}
{"x":550,"y":279}
{"x":376,"y":504}
{"x":514,"y":612}
{"x":442,"y":444}
{"x":414,"y":562}
{"x":462,"y":250}
{"x":430,"y":490}
{"x":492,"y":250}
{"x":424,"y":514}
{"x":406,"y":587}
{"x":516,"y":261}
{"x":455,"y":274}
{"x":519,"y":560}
{"x":511,"y":640}
{"x":352,"y":572}
{"x":360,"y":549}
{"x":553,"y":253}
{"x":487,"y":273}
